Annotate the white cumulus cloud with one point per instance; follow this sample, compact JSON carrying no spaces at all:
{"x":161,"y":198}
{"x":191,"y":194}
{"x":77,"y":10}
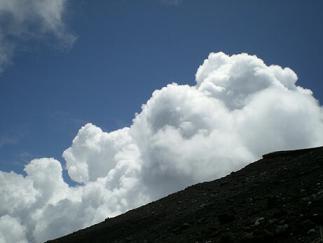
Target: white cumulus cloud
{"x":14,"y":231}
{"x":239,"y":109}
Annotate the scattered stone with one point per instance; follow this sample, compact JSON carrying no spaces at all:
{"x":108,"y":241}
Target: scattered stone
{"x":243,"y":207}
{"x":272,"y":221}
{"x":247,"y":236}
{"x":307,"y":224}
{"x":185,"y":225}
{"x":203,"y":205}
{"x":281,"y":229}
{"x":311,"y":231}
{"x":259,"y":220}
{"x":306,"y":199}
{"x":282,"y":221}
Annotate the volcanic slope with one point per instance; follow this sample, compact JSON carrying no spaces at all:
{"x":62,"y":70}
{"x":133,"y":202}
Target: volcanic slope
{"x":276,"y":199}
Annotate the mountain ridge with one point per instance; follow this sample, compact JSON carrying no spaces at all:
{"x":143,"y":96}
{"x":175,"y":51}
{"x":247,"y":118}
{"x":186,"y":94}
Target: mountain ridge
{"x":278,"y":198}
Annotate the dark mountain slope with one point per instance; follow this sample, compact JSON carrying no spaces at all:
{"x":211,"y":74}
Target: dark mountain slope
{"x":276,"y":199}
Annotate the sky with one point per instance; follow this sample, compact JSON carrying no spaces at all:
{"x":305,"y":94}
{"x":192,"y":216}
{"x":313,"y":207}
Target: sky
{"x":126,"y":49}
{"x":75,"y":73}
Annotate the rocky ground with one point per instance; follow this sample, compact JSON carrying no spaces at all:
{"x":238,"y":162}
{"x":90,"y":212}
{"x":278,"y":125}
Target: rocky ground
{"x":276,"y":199}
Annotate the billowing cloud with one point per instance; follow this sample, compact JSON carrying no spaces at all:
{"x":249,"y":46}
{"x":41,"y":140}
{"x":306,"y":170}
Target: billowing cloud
{"x":14,"y":231}
{"x":25,"y":19}
{"x":239,"y":109}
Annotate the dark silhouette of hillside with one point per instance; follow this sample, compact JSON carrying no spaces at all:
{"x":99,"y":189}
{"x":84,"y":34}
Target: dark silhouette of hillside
{"x":276,"y":199}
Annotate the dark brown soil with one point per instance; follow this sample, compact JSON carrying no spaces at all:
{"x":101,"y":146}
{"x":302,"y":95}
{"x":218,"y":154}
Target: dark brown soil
{"x":276,"y":199}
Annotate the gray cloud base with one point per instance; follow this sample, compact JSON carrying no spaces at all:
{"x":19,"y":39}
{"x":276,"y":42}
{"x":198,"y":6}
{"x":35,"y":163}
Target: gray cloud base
{"x":239,"y":109}
{"x":29,"y":19}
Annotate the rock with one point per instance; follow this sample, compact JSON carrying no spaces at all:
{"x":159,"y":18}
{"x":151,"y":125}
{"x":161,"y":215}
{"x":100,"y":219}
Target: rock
{"x":307,"y":224}
{"x":243,"y":207}
{"x":227,"y":238}
{"x":281,"y":229}
{"x":225,"y":218}
{"x":203,"y":205}
{"x":186,"y":225}
{"x":282,"y":221}
{"x":259,"y":220}
{"x":272,"y":221}
{"x":247,"y":237}
{"x":306,"y":199}
{"x":265,"y":236}
{"x":271,"y":202}
{"x":311,"y":231}
{"x":320,"y":162}
{"x":317,"y":218}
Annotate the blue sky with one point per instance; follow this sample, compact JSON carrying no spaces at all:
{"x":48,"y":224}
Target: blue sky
{"x":127,"y":49}
{"x":67,"y":63}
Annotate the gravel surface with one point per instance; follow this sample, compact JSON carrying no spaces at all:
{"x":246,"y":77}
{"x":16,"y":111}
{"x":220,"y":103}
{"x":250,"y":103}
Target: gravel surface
{"x":276,"y":199}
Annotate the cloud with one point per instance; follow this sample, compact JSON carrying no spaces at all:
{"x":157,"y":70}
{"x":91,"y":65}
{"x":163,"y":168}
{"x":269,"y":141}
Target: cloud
{"x":15,"y":232}
{"x":239,"y":109}
{"x":26,"y":19}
